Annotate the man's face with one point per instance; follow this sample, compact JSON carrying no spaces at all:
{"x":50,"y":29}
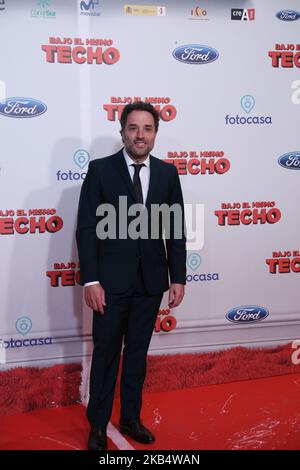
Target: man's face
{"x":139,"y":134}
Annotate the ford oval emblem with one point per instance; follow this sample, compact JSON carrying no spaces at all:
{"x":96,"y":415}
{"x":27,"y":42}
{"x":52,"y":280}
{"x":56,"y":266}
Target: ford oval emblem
{"x":247,"y":314}
{"x":288,"y":15}
{"x":290,"y":160}
{"x":195,"y":54}
{"x":22,"y":107}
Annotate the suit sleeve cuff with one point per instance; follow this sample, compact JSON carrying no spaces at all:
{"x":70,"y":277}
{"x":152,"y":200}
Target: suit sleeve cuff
{"x":90,"y":283}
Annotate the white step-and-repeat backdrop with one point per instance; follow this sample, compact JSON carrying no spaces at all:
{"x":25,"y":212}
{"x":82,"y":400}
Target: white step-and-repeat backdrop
{"x":225,"y":76}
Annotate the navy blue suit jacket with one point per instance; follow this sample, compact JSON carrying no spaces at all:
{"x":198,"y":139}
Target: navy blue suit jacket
{"x":114,"y":261}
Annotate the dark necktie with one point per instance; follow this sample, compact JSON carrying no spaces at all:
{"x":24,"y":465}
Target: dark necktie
{"x":137,"y":182}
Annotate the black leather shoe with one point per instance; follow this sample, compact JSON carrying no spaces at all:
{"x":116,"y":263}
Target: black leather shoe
{"x":137,"y":431}
{"x":97,"y":439}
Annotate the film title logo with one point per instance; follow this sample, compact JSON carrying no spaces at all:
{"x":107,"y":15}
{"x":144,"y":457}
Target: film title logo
{"x":247,"y":213}
{"x":195,"y":163}
{"x":29,"y":221}
{"x":284,"y":262}
{"x":285,"y":55}
{"x":115,"y":108}
{"x":80,"y":51}
{"x":64,"y":274}
{"x":164,"y":321}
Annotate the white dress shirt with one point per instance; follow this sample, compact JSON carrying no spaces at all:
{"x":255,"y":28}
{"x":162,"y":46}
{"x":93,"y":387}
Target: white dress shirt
{"x":145,"y":179}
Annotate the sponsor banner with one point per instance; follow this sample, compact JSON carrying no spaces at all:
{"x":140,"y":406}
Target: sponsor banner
{"x":64,"y":274}
{"x":144,"y":10}
{"x":165,"y":322}
{"x":199,"y":162}
{"x":285,"y":56}
{"x":290,"y":160}
{"x":22,"y":107}
{"x":29,"y":221}
{"x":43,"y":10}
{"x":283,"y":262}
{"x":114,"y":109}
{"x":193,"y":262}
{"x":246,"y":213}
{"x":23,"y":326}
{"x":247,"y":104}
{"x":198,"y":13}
{"x":247,"y":314}
{"x":233,"y":126}
{"x":243,"y":14}
{"x":288,"y":15}
{"x":89,"y":7}
{"x":195,"y":54}
{"x":202,"y":277}
{"x":81,"y":158}
{"x":67,"y":50}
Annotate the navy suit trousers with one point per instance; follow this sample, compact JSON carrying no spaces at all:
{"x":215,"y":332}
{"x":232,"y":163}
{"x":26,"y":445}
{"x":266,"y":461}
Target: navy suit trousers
{"x":128,"y":319}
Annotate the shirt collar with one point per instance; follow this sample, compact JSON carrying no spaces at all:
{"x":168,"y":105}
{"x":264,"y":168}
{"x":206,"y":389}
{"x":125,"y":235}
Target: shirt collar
{"x":129,"y":160}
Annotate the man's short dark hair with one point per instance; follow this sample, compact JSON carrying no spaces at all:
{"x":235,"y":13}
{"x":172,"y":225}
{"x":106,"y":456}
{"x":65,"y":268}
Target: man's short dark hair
{"x":139,"y":106}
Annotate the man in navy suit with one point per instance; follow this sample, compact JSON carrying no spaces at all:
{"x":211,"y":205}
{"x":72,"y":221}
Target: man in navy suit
{"x":125,"y":276}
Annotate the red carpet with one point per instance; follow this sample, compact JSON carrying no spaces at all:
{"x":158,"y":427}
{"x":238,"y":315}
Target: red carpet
{"x":26,"y":389}
{"x":231,"y":365}
{"x":59,"y":385}
{"x":255,"y":414}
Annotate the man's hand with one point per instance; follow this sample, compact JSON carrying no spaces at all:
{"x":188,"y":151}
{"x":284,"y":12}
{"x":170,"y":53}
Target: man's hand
{"x":176,"y":294}
{"x":94,"y":296}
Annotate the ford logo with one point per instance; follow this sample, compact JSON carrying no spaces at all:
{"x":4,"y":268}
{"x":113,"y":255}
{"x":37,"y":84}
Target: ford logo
{"x":247,"y":314}
{"x":288,"y":15}
{"x":22,"y":107}
{"x":195,"y":54}
{"x":290,"y":160}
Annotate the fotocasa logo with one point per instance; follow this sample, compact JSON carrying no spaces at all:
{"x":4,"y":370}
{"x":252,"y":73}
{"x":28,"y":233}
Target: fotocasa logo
{"x":23,"y":326}
{"x":193,"y":262}
{"x":247,"y":103}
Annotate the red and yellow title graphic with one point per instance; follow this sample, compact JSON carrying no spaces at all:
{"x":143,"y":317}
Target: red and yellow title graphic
{"x":64,"y":274}
{"x":195,"y":163}
{"x":80,"y":51}
{"x":284,"y":262}
{"x":285,"y":55}
{"x":29,"y":221}
{"x":163,"y":105}
{"x":247,"y":213}
{"x":164,"y":321}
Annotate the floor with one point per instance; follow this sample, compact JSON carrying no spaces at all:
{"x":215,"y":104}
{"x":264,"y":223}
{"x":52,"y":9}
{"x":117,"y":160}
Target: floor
{"x":255,"y":414}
